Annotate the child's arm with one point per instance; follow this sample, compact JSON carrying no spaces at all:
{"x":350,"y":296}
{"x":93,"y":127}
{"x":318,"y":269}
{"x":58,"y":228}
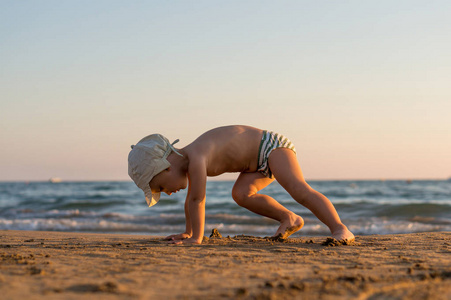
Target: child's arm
{"x":195,"y":202}
{"x":188,"y":229}
{"x":188,"y":232}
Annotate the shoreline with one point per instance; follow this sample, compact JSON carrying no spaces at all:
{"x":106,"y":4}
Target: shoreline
{"x":68,"y":265}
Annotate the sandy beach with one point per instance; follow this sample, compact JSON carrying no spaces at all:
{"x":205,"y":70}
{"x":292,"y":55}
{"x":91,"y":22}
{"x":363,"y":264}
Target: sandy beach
{"x":60,"y":265}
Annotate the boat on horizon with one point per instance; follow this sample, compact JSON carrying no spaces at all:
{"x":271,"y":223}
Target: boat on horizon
{"x":55,"y":180}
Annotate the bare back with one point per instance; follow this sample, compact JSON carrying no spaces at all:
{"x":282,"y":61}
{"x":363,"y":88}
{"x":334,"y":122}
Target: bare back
{"x":227,"y":149}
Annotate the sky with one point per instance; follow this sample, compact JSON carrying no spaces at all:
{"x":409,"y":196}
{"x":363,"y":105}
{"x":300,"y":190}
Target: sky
{"x":362,"y":88}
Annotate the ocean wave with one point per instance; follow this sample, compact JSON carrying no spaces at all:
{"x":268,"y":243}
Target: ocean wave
{"x":96,"y":225}
{"x":386,"y":226}
{"x":413,"y":209}
{"x":359,"y":227}
{"x":367,"y":207}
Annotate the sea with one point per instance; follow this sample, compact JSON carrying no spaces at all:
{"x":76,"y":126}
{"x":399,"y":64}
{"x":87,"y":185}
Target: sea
{"x":366,"y":207}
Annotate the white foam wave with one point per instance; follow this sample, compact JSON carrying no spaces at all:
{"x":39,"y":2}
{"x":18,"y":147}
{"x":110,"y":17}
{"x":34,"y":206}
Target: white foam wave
{"x":265,"y":227}
{"x":378,"y":226}
{"x":96,"y":225}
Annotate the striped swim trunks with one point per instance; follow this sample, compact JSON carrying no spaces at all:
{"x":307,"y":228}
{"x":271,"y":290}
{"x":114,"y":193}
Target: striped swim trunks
{"x":271,"y":141}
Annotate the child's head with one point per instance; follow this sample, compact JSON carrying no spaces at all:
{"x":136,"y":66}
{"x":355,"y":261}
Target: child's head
{"x":148,"y":160}
{"x":170,"y":180}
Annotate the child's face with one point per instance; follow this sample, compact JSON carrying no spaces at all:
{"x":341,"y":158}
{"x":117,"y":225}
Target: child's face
{"x":169,"y":181}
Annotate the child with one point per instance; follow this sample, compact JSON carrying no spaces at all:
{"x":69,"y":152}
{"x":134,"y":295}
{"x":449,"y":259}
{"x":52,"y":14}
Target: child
{"x":260,"y":156}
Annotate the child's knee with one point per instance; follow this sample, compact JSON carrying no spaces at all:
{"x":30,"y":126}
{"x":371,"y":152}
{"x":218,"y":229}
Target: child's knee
{"x":240,"y":196}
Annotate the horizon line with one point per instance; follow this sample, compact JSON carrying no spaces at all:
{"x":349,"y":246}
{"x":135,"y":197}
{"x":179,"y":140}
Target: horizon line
{"x":228,"y":180}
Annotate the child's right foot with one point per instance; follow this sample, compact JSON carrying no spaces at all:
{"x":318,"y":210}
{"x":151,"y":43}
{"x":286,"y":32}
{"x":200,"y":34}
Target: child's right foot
{"x":289,"y":226}
{"x":343,"y":234}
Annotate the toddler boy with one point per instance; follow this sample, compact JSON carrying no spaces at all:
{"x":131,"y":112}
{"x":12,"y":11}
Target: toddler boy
{"x":259,"y":155}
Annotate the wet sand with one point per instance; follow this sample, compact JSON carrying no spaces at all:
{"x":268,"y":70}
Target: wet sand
{"x":59,"y":265}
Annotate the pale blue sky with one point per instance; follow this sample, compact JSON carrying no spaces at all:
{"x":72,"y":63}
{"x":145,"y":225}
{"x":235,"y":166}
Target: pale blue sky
{"x":361,"y":87}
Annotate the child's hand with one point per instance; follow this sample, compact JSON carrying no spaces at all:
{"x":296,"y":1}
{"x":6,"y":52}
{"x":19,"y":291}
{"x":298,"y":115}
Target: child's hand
{"x":189,"y":241}
{"x":178,"y":237}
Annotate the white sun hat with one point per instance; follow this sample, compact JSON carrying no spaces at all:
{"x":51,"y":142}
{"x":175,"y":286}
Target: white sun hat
{"x":147,"y":159}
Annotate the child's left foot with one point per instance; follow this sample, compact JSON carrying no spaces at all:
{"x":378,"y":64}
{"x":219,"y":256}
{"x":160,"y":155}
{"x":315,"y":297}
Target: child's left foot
{"x":289,"y":226}
{"x":343,"y":235}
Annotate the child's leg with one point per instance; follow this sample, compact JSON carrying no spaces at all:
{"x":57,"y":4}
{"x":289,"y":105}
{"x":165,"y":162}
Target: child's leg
{"x":245,"y":193}
{"x":285,"y":167}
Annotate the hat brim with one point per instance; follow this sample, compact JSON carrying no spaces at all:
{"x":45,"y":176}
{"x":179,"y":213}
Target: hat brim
{"x":151,"y":198}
